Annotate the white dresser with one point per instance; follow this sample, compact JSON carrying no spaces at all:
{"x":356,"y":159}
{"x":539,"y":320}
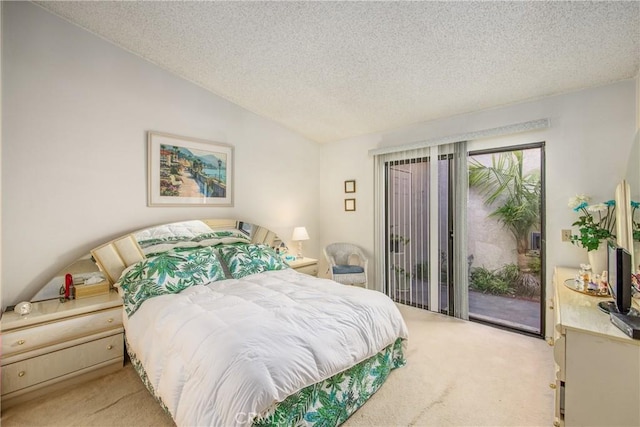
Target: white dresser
{"x":597,"y":366}
{"x":59,"y":344}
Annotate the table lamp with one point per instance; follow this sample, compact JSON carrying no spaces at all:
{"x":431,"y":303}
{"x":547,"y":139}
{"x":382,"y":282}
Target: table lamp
{"x":299,"y":234}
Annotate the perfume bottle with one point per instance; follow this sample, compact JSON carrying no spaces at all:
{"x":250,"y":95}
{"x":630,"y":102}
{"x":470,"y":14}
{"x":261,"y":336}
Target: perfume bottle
{"x":603,"y":283}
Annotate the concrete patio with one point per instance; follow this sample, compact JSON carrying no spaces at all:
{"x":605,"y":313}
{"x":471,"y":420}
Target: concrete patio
{"x":508,"y":311}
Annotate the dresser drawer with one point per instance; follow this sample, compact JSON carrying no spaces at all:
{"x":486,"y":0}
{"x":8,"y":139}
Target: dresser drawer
{"x":311,"y":270}
{"x":35,"y":370}
{"x":26,"y":339}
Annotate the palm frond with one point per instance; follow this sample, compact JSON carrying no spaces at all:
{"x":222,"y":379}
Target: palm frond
{"x":518,"y":194}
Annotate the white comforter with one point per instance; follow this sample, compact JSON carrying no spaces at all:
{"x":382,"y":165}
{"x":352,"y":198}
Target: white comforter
{"x":222,"y":353}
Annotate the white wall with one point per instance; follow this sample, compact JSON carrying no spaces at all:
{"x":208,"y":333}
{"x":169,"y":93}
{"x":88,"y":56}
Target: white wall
{"x":588,"y":146}
{"x":1,"y":134}
{"x":633,"y":167}
{"x":76,"y":110}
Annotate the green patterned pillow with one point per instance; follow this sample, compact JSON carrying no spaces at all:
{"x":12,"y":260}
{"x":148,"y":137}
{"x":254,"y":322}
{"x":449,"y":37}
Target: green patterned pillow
{"x":244,"y":260}
{"x":156,"y":245}
{"x":168,"y":273}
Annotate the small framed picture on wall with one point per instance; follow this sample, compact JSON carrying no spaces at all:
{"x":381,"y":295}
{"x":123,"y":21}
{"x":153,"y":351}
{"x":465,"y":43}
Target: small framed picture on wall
{"x":349,"y":205}
{"x":350,"y":186}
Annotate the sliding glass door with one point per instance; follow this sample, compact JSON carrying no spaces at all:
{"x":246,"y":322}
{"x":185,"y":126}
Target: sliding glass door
{"x":505,"y":235}
{"x":480,"y":258}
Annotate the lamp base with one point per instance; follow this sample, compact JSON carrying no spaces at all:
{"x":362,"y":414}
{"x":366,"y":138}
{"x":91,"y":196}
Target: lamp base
{"x":299,"y":254}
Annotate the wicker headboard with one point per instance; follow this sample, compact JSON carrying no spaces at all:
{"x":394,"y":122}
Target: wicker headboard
{"x":118,"y":254}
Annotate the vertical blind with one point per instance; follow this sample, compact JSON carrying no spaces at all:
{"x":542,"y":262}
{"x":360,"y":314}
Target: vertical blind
{"x":407,"y":229}
{"x":411,"y":225}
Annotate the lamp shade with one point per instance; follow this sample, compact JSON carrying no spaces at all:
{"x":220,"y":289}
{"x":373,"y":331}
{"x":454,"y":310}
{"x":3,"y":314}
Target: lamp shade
{"x":300,"y":233}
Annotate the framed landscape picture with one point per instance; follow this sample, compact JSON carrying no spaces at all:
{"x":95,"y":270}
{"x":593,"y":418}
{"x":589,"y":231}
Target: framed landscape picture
{"x":188,"y":171}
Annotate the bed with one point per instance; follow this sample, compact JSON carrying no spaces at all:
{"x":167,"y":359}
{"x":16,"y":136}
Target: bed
{"x":223,"y":332}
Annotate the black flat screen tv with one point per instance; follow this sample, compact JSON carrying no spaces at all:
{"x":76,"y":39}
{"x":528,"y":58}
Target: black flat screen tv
{"x":619,"y":274}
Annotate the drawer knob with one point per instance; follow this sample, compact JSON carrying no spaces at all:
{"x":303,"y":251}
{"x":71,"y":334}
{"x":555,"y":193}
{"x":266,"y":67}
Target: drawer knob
{"x":556,"y":424}
{"x":552,"y":385}
{"x":20,"y":342}
{"x":550,"y":342}
{"x":110,"y":321}
{"x":21,"y":374}
{"x":109,"y":347}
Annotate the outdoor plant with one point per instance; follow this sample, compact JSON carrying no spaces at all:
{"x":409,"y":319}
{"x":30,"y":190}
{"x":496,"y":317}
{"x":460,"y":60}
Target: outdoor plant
{"x":509,"y":273}
{"x":635,"y":224}
{"x":402,"y":277}
{"x":516,"y":195}
{"x":535,"y":265}
{"x":396,"y":241}
{"x":595,"y":222}
{"x":401,"y":272}
{"x":506,"y":280}
{"x":421,"y":270}
{"x":496,"y":282}
{"x":444,"y":267}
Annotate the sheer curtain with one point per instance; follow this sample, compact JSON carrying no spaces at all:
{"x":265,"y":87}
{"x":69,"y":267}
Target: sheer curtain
{"x":460,"y":260}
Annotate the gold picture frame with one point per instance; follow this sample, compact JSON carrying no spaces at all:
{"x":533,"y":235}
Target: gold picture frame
{"x":350,"y":186}
{"x":349,"y":205}
{"x":186,"y":171}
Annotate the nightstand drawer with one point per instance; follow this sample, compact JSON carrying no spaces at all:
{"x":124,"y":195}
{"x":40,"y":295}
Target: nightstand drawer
{"x":304,"y":265}
{"x":30,"y":372}
{"x":311,"y":270}
{"x":22,"y":340}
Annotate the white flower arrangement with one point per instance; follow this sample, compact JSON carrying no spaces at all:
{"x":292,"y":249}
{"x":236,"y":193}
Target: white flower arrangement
{"x":596,"y":222}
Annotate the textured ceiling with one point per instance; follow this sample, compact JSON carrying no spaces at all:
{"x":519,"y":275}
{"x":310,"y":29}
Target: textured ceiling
{"x":332,"y":70}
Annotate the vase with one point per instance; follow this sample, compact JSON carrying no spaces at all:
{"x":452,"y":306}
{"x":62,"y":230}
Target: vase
{"x":598,"y":258}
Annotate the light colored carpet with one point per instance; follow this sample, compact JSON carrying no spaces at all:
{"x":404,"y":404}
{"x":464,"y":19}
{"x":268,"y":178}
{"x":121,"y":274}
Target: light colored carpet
{"x":458,"y":374}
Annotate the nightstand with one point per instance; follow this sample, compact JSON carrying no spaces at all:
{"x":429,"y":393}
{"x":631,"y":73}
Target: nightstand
{"x":305,"y":265}
{"x":60,"y":344}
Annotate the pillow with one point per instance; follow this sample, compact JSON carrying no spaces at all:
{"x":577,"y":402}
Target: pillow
{"x":168,"y":273}
{"x":243,"y":260}
{"x":220,"y":237}
{"x":186,"y":235}
{"x":175,"y":230}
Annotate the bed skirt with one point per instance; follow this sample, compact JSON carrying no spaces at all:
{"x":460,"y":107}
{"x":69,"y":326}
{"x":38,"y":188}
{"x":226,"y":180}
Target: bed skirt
{"x":332,"y":401}
{"x":327,"y":403}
